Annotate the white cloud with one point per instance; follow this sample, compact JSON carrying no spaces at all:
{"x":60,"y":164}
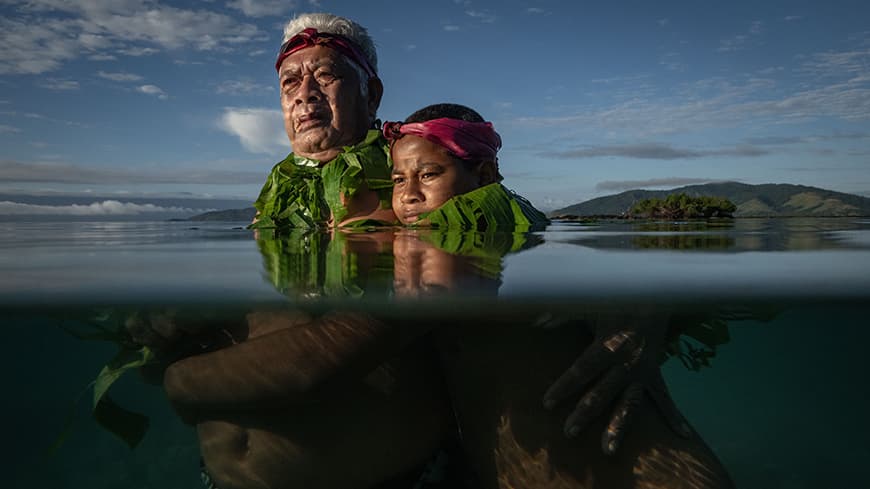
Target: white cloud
{"x":410,"y":47}
{"x":59,"y":172}
{"x":535,"y":10}
{"x":102,"y":57}
{"x":259,"y":130}
{"x":261,"y":8}
{"x":717,"y":103}
{"x":153,"y":90}
{"x":733,"y":44}
{"x":182,"y":62}
{"x":119,"y":77}
{"x":59,"y":85}
{"x":242,"y":87}
{"x":93,"y":41}
{"x":742,"y":41}
{"x":838,"y":63}
{"x":32,"y":49}
{"x":672,"y":61}
{"x":849,"y":100}
{"x":104,"y":208}
{"x":37,"y":43}
{"x":6,"y":129}
{"x":33,"y":115}
{"x":671,"y":182}
{"x":483,"y":16}
{"x":138,"y":51}
{"x":451,"y":27}
{"x":756,"y":27}
{"x":656,"y":151}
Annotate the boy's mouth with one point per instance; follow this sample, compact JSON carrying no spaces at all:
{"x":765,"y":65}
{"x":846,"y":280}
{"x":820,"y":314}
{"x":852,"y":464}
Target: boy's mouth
{"x":410,"y":216}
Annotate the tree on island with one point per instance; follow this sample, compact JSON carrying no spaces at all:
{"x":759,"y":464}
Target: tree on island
{"x":681,"y":206}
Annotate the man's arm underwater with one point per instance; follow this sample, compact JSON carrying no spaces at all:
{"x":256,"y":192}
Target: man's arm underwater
{"x":286,"y":366}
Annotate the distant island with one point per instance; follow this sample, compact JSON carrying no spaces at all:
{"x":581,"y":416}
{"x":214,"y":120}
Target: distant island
{"x":682,"y":206}
{"x":766,"y":200}
{"x":235,"y":215}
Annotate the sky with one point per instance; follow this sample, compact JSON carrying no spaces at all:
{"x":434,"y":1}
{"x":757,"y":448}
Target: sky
{"x":112,"y":106}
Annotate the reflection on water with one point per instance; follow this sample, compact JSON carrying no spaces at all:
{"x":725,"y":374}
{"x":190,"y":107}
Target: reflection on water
{"x":310,"y":380}
{"x":795,"y":234}
{"x":382,"y":264}
{"x":101,"y":234}
{"x":74,"y":263}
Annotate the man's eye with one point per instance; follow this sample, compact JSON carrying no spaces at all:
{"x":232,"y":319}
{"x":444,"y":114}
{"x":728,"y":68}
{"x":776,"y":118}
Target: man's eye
{"x":325,"y":78}
{"x":398,"y":180}
{"x":428,"y":175}
{"x":290,"y":83}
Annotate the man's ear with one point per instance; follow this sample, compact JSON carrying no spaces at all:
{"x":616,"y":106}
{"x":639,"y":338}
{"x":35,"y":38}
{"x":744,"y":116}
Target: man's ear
{"x":376,"y":91}
{"x":486,"y":173}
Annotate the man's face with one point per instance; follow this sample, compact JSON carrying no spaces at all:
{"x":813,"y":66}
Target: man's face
{"x":425,"y":176}
{"x":322,"y":104}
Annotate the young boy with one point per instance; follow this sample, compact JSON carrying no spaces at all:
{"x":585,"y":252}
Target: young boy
{"x":445,"y":173}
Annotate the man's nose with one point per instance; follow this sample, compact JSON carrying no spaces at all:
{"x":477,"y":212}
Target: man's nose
{"x":309,"y":90}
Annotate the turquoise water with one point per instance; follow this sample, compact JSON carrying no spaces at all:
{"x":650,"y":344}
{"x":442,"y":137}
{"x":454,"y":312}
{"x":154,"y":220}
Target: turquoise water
{"x":783,"y":405}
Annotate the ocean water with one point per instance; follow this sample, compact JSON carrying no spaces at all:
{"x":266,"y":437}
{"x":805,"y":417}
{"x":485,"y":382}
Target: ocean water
{"x":782,"y":404}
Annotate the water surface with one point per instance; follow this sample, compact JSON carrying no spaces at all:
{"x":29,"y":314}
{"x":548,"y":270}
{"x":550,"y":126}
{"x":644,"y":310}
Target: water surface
{"x":783,"y":405}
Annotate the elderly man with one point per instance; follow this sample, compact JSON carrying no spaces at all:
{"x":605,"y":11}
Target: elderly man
{"x":338,"y":172}
{"x":257,"y":404}
{"x":328,"y":401}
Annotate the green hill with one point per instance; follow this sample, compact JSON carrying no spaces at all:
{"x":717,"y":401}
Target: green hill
{"x":766,"y":200}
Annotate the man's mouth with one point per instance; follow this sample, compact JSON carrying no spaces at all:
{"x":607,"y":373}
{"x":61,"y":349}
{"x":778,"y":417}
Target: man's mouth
{"x":309,"y":120}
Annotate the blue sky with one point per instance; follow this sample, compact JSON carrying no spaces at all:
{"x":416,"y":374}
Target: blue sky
{"x":127,"y":99}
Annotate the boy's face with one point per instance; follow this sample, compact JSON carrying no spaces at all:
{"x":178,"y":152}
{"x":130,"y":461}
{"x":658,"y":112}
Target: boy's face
{"x":425,"y":176}
{"x":424,"y":270}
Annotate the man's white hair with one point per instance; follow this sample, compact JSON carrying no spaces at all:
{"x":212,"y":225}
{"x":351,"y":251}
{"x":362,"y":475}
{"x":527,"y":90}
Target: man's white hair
{"x":333,"y":24}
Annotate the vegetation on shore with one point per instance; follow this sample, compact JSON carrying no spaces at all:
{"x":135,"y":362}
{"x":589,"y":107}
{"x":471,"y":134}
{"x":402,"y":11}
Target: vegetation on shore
{"x":682,"y":206}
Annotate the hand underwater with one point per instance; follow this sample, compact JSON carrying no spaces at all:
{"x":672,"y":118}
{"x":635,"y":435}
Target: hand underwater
{"x":621,"y":363}
{"x":173,"y":334}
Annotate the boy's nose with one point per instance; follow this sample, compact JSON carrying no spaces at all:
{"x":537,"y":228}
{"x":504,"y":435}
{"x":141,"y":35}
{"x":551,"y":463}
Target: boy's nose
{"x":411,"y":193}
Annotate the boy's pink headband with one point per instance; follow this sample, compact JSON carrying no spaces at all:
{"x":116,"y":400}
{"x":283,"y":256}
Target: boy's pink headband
{"x":310,"y":37}
{"x":465,"y":140}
